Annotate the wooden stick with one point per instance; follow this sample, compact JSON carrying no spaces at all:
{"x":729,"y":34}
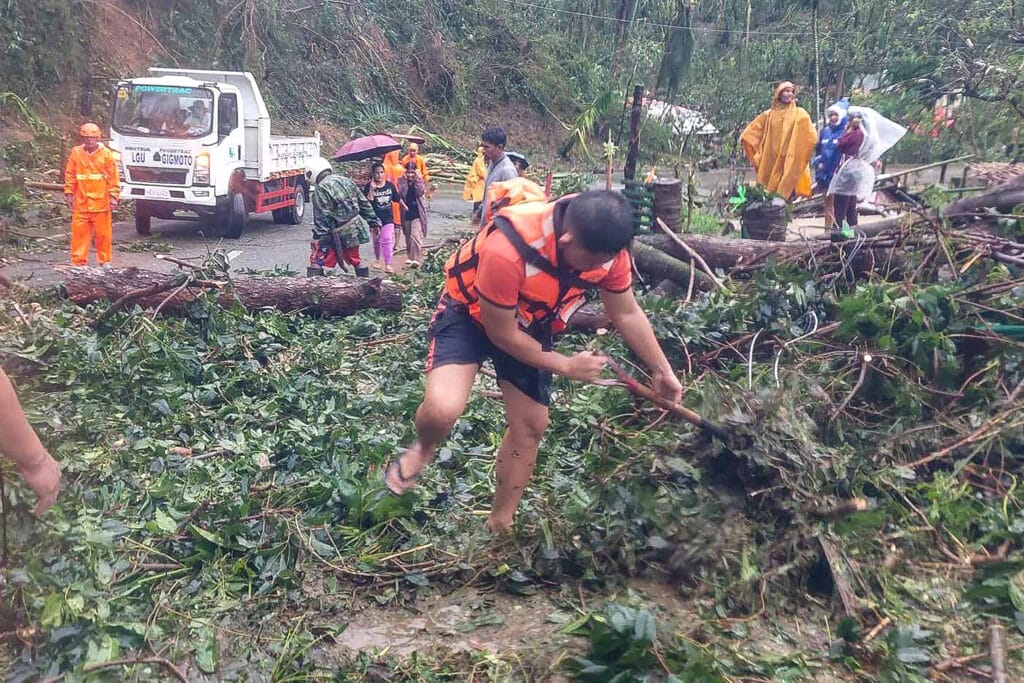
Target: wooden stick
{"x":117,"y":663}
{"x":694,"y":256}
{"x":186,"y":264}
{"x":997,"y":650}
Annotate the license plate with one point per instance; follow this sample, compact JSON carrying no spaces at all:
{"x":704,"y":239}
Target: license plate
{"x":160,"y":192}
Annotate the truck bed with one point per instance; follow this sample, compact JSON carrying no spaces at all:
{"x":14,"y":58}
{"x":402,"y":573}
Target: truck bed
{"x":286,"y":155}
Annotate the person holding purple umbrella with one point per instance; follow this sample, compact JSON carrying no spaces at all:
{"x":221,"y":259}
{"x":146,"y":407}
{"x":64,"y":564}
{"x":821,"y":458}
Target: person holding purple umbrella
{"x":382,"y":194}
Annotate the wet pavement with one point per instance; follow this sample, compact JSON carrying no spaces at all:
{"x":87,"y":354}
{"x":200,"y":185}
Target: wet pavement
{"x":263,"y":246}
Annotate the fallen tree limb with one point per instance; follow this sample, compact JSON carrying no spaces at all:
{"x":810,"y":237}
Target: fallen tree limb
{"x":1002,"y":197}
{"x":329,"y":296}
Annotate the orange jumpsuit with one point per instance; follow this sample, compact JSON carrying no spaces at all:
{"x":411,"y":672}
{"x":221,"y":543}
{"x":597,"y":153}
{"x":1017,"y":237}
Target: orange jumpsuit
{"x":420,"y":164}
{"x":92,"y":181}
{"x":393,"y":170}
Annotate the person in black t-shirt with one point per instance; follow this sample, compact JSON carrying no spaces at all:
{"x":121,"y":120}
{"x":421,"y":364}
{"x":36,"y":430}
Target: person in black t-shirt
{"x":382,"y":195}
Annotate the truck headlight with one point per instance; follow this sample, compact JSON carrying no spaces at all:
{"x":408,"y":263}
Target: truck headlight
{"x":201,"y":172}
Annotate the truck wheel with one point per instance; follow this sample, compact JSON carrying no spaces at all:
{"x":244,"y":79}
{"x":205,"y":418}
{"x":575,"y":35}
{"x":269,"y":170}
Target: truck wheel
{"x":238,"y":216}
{"x":293,"y":214}
{"x":279,"y":216}
{"x":143,"y":219}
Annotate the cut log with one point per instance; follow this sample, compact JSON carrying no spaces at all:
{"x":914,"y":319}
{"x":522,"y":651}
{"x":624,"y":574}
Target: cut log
{"x":590,"y":317}
{"x":1004,"y":198}
{"x":720,"y":252}
{"x":660,"y":265}
{"x":328,"y":296}
{"x":723,"y":253}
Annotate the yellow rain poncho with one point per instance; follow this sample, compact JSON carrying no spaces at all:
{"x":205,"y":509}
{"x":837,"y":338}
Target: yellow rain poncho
{"x":473,"y":190}
{"x":780,"y":143}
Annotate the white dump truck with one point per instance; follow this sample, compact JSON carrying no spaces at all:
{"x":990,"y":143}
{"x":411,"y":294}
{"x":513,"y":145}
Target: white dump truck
{"x":198,"y":143}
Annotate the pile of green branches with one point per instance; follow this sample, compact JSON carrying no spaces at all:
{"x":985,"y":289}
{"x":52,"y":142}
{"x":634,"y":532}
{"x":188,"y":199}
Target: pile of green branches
{"x":219,"y":464}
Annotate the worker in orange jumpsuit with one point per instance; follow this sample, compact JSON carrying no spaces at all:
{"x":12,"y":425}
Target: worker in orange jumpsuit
{"x":92,"y":190}
{"x":414,"y":156}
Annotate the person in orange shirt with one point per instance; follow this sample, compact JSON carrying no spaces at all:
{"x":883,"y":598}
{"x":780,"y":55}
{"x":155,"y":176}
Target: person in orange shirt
{"x":92,"y":190}
{"x":507,"y":291}
{"x":421,"y":165}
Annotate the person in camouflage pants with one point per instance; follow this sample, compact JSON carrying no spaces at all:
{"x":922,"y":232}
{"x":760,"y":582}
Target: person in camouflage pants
{"x":342,"y":219}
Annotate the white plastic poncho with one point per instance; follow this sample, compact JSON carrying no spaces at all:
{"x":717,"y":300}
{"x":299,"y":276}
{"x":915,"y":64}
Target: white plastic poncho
{"x":856,"y":176}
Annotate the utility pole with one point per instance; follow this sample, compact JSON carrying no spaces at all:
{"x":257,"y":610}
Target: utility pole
{"x":817,"y":67}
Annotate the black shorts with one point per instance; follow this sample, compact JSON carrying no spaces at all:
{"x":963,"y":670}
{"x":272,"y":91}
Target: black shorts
{"x":457,"y":339}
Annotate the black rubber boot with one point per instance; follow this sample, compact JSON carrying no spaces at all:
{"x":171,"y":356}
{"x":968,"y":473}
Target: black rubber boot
{"x":313,"y":272}
{"x":363,"y":271}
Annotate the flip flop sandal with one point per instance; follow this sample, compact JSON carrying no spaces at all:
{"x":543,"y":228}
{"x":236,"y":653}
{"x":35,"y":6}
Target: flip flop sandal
{"x":396,"y":466}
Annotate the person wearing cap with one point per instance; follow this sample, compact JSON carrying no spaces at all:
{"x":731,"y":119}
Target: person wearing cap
{"x":92,"y":190}
{"x":520,"y":162}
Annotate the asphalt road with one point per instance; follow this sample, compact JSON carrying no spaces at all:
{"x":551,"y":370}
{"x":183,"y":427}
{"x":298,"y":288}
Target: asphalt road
{"x":263,"y":246}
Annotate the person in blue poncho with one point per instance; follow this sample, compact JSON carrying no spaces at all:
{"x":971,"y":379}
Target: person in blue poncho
{"x":826,"y":154}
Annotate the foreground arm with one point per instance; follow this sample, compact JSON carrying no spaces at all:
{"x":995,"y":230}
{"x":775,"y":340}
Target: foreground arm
{"x":20,"y":443}
{"x":503,"y":330}
{"x":632,"y":323}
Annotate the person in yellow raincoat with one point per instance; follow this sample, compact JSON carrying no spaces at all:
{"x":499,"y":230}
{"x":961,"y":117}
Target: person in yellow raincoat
{"x":473,"y":190}
{"x":780,"y":143}
{"x":92,"y":190}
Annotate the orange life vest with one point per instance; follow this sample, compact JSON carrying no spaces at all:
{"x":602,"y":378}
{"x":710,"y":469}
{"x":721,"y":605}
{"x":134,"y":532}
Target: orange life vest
{"x":551,"y":293}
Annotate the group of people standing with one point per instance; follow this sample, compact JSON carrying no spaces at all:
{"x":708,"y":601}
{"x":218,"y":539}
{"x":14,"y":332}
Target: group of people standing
{"x":346,"y":215}
{"x":782,"y":145}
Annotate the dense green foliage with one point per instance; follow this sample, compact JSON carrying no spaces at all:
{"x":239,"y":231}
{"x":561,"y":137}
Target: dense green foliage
{"x":381,"y":64}
{"x":221,"y":480}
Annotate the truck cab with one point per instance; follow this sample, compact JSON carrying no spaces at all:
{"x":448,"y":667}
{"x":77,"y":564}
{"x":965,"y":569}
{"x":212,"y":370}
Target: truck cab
{"x":199,"y":143}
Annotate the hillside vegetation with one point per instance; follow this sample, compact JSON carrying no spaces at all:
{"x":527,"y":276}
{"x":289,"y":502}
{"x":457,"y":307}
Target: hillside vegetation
{"x":552,"y":68}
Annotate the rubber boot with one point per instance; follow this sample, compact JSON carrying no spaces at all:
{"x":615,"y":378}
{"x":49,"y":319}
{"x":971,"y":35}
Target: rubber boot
{"x":362,"y":271}
{"x":314,"y":272}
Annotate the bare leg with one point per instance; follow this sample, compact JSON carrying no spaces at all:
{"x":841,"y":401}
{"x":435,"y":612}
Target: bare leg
{"x":830,"y":211}
{"x":527,"y":421}
{"x":443,"y":403}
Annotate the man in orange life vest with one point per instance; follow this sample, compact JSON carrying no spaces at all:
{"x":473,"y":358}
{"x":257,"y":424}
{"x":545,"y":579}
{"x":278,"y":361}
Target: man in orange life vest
{"x":91,"y":189}
{"x":507,"y":291}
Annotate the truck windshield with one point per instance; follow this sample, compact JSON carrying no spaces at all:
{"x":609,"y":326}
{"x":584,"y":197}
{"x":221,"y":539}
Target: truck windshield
{"x":163,"y":111}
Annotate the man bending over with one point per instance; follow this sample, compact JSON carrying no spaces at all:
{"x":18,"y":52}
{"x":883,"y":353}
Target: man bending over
{"x":507,"y":291}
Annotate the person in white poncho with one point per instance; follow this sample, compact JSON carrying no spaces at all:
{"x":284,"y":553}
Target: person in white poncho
{"x":868,"y":135}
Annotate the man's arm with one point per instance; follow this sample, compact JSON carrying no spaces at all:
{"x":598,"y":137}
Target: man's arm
{"x":503,"y":330}
{"x":70,"y":180}
{"x":19,"y":442}
{"x":632,"y":323}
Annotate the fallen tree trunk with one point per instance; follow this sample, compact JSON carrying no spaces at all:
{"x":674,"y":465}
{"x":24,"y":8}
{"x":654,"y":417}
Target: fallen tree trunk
{"x":661,"y":265}
{"x":731,"y":254}
{"x":590,"y":317}
{"x":1004,"y":198}
{"x":721,"y":252}
{"x":329,"y":296}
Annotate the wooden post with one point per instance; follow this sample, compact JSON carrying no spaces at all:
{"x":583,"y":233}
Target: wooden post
{"x":629,"y":171}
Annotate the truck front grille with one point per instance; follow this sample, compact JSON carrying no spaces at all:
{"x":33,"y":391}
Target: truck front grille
{"x":156,"y":176}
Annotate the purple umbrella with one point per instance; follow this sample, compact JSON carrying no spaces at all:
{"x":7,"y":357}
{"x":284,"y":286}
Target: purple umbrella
{"x":366,"y":148}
